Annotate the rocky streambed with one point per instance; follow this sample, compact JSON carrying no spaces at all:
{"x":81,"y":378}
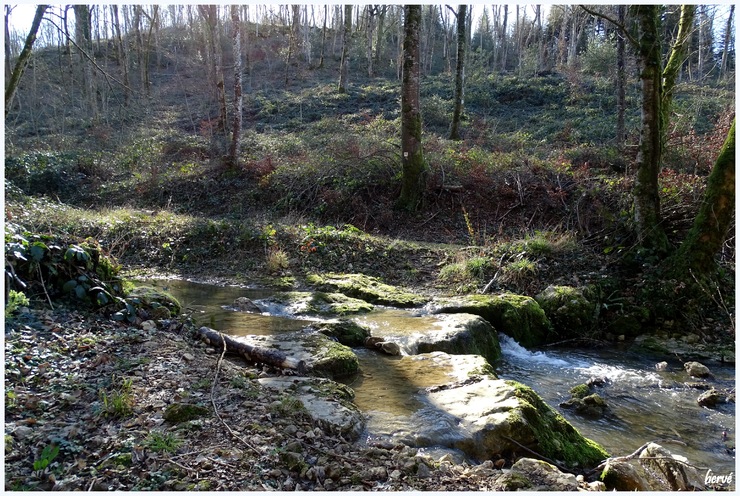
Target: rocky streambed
{"x":425,"y":377}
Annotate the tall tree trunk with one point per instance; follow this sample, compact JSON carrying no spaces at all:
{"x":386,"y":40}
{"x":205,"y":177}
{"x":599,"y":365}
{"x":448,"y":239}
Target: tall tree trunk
{"x":370,"y":13}
{"x":503,"y":43}
{"x":323,"y":37}
{"x":122,"y":56}
{"x":649,"y":157}
{"x":621,"y":80}
{"x":83,"y":38}
{"x":675,"y":62}
{"x":346,"y":39}
{"x":237,"y":110}
{"x":412,"y":158}
{"x":724,"y":65}
{"x":462,"y":11}
{"x":697,"y":252}
{"x":8,"y":55}
{"x":704,"y":240}
{"x":22,"y":62}
{"x":380,"y":35}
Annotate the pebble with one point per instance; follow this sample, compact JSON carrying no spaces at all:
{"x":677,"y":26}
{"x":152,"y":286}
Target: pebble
{"x":22,"y":432}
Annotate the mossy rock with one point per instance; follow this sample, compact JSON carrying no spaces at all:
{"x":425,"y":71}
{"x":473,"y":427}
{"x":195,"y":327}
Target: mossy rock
{"x":555,"y":436}
{"x":151,"y":299}
{"x":580,"y":391}
{"x":367,"y":288}
{"x":333,"y":360}
{"x":568,"y":309}
{"x":345,"y":331}
{"x":511,"y":481}
{"x":177,"y":413}
{"x":517,"y":316}
{"x":320,"y":303}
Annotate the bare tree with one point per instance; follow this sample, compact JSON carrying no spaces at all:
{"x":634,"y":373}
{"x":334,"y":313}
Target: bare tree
{"x":122,"y":55}
{"x":724,"y":64}
{"x":621,"y":80}
{"x":237,"y":109}
{"x":22,"y":62}
{"x":459,"y":72}
{"x":412,"y":159}
{"x":346,"y":41}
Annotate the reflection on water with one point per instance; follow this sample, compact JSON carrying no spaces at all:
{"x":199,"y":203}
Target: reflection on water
{"x":644,"y":404}
{"x":211,"y":304}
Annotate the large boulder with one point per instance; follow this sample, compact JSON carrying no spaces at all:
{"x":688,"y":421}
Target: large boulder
{"x":568,"y":309}
{"x":328,"y":403}
{"x":367,"y":288}
{"x":461,"y":334}
{"x":346,"y":331}
{"x":674,"y":471}
{"x":517,"y":316}
{"x":490,"y":417}
{"x":316,"y":303}
{"x":322,"y":356}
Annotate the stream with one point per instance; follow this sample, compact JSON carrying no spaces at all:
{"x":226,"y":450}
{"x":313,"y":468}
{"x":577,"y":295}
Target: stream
{"x":644,"y":404}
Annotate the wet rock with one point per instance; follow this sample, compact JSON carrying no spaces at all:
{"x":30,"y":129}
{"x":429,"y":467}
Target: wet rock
{"x":345,"y":331}
{"x":328,"y":403}
{"x":592,"y":406}
{"x":512,"y":481}
{"x":596,"y":486}
{"x":696,"y":369}
{"x":367,"y":288}
{"x":318,"y":303}
{"x":622,"y":476}
{"x":323,"y":356}
{"x":544,"y":476}
{"x":488,"y":417}
{"x":568,"y":309}
{"x":711,"y":398}
{"x":517,"y":316}
{"x":661,"y":366}
{"x":389,"y":348}
{"x":677,"y":474}
{"x":244,"y":304}
{"x":460,"y":334}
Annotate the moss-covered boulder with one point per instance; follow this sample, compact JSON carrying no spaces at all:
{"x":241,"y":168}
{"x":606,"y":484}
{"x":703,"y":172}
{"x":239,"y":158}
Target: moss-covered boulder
{"x":367,"y":288}
{"x":494,"y":416}
{"x":568,"y":310}
{"x":152,"y":300}
{"x":328,"y":403}
{"x":318,"y":303}
{"x":346,"y":331}
{"x":517,"y":316}
{"x":461,"y":334}
{"x":322,"y":356}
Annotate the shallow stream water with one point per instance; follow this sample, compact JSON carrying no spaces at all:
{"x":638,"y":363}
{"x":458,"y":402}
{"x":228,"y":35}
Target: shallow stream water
{"x":643,"y":404}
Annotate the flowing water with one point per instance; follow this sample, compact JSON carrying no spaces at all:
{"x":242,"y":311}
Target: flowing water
{"x":643,"y":404}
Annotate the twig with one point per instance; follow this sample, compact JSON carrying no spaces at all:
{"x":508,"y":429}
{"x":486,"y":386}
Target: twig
{"x":90,"y":487}
{"x":43,"y":286}
{"x":538,"y":455}
{"x":632,"y":455}
{"x":213,"y":401}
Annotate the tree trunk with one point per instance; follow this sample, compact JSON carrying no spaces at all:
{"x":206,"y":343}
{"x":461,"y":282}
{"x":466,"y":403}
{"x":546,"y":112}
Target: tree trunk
{"x":380,"y":33}
{"x":370,"y":13}
{"x":502,"y":43}
{"x":675,"y":62}
{"x":22,"y":62}
{"x":697,"y":252}
{"x":251,"y":353}
{"x":621,"y":80}
{"x":122,"y":56}
{"x":649,"y":157}
{"x":83,"y":38}
{"x":237,"y":121}
{"x":346,"y":39}
{"x":412,"y":159}
{"x":8,"y":55}
{"x":724,"y":65}
{"x":459,"y":72}
{"x":323,"y":37}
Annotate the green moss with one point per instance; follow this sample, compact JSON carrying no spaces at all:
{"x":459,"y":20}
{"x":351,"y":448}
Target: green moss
{"x":367,"y":288}
{"x":556,"y":437}
{"x":182,"y":412}
{"x":345,"y":331}
{"x":152,"y":298}
{"x":333,"y":360}
{"x":580,"y":391}
{"x":570,"y":312}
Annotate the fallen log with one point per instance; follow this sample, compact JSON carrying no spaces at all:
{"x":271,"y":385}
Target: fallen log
{"x":251,"y":353}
